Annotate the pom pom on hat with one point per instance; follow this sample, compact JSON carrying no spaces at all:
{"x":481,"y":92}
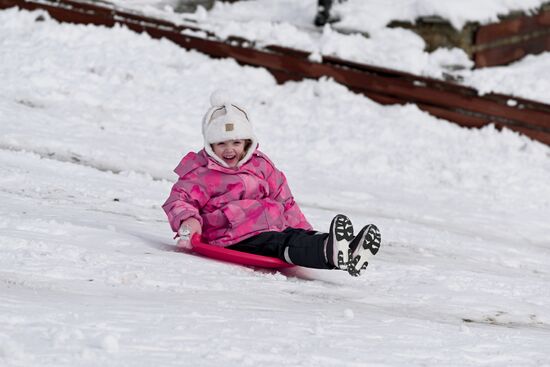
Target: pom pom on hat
{"x":219,"y":97}
{"x":224,"y":121}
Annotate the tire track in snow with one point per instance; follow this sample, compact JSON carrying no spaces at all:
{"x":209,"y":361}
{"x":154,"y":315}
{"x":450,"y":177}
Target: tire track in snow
{"x":76,"y":159}
{"x":79,"y":161}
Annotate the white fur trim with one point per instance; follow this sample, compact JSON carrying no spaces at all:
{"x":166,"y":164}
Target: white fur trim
{"x":208,"y":149}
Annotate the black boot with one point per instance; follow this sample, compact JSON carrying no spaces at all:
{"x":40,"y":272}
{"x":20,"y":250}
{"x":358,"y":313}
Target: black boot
{"x":362,"y":247}
{"x":338,"y":242}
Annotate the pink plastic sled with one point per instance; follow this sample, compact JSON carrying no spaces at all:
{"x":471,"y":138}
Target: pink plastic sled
{"x":237,"y":257}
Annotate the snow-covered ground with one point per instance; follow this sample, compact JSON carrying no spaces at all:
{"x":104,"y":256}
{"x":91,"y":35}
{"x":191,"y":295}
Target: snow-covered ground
{"x":289,"y":23}
{"x":93,"y":120}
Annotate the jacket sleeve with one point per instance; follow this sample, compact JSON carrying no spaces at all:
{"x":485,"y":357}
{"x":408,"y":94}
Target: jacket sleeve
{"x":280,"y":191}
{"x":186,"y":198}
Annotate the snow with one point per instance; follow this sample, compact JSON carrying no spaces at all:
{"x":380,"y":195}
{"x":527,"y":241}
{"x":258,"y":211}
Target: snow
{"x":289,"y":23}
{"x":362,"y":15}
{"x":371,"y":14}
{"x":504,"y":78}
{"x":93,"y":121}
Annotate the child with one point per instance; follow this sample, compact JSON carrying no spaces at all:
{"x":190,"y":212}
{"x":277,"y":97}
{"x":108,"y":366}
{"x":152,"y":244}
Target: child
{"x":235,"y":197}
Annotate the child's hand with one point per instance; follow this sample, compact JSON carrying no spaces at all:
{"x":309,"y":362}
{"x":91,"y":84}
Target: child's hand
{"x":188,"y":228}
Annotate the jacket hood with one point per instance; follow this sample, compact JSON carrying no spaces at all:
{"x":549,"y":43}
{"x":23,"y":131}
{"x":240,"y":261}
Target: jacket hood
{"x":190,"y":162}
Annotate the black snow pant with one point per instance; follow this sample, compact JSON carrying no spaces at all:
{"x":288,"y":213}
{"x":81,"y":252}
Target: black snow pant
{"x":293,"y":245}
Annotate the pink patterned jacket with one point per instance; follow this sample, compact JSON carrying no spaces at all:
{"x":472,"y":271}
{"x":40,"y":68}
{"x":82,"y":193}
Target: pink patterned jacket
{"x":232,"y":204}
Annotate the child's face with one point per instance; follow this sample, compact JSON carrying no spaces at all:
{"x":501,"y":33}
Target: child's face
{"x":231,"y":151}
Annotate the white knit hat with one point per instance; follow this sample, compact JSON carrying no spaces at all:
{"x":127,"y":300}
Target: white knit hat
{"x":224,"y":121}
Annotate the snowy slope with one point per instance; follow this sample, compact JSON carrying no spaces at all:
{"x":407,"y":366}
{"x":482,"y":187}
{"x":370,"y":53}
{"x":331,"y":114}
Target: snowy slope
{"x":93,"y":120}
{"x":363,"y":15}
{"x":289,"y":23}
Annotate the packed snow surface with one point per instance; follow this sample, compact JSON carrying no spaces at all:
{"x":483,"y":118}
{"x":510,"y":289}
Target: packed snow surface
{"x":92,"y":122}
